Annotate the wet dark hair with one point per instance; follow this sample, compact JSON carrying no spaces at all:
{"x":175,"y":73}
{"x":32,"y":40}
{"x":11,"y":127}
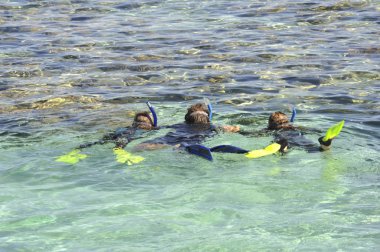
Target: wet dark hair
{"x":197,"y":114}
{"x":143,"y":120}
{"x":278,"y":120}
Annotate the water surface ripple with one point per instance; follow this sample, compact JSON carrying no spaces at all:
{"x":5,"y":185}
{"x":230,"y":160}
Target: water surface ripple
{"x":71,"y":71}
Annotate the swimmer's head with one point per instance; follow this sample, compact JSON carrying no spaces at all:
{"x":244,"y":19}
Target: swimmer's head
{"x":197,"y":114}
{"x":143,"y":120}
{"x":278,"y":120}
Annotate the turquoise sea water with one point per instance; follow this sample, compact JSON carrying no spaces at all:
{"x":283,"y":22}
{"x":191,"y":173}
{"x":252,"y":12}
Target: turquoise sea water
{"x":72,"y":71}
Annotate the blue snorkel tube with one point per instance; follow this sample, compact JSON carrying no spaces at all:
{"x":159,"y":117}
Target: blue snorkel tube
{"x":210,"y":111}
{"x":153,"y":113}
{"x":294,"y":113}
{"x":207,"y":102}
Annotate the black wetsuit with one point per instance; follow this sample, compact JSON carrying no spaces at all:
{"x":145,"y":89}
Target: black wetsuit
{"x":186,"y":134}
{"x":295,"y":137}
{"x":121,"y":137}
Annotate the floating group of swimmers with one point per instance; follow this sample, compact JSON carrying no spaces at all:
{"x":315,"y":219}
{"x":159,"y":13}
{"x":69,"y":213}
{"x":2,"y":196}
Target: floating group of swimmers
{"x":196,"y":128}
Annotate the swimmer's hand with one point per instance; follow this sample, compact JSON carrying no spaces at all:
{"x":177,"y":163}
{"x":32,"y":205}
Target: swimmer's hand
{"x":230,"y":128}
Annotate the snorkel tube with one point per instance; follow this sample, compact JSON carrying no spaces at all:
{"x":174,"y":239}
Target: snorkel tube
{"x":153,"y":113}
{"x":210,"y":111}
{"x":294,"y":113}
{"x":207,"y":102}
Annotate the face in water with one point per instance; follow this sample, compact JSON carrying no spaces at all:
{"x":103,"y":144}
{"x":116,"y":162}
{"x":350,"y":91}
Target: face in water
{"x":197,"y":114}
{"x":143,"y":120}
{"x":278,"y":120}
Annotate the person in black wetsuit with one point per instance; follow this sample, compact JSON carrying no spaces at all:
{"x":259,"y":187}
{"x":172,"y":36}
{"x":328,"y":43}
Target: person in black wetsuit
{"x":142,"y":122}
{"x":196,"y":128}
{"x":279,"y":125}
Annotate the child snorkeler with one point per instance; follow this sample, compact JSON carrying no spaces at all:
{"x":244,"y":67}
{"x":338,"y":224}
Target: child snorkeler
{"x":286,"y":136}
{"x":279,"y":124}
{"x":142,"y":122}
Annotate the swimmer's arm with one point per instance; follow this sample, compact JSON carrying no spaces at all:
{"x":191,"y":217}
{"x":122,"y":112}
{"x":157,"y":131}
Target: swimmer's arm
{"x":110,"y":137}
{"x":120,"y":132}
{"x":227,"y":128}
{"x":231,"y":128}
{"x":123,"y":140}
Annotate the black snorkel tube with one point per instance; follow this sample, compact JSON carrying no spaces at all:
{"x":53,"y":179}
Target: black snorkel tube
{"x":153,"y":113}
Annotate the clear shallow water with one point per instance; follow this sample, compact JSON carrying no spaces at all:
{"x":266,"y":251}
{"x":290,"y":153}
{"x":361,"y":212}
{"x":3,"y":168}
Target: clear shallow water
{"x":73,"y":70}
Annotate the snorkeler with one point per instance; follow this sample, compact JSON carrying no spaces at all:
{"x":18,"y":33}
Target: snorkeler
{"x":188,"y":135}
{"x":279,"y":124}
{"x":142,"y":123}
{"x":286,"y":136}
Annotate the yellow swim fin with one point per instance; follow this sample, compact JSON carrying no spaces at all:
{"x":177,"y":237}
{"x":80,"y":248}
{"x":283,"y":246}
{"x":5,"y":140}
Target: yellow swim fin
{"x":270,"y":149}
{"x":123,"y":156}
{"x":333,"y":131}
{"x":72,"y":157}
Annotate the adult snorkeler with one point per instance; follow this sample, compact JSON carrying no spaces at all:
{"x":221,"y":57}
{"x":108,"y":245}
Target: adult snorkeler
{"x":190,"y":134}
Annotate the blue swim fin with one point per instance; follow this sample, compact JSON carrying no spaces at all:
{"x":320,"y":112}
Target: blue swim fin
{"x":199,"y":150}
{"x":228,"y":149}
